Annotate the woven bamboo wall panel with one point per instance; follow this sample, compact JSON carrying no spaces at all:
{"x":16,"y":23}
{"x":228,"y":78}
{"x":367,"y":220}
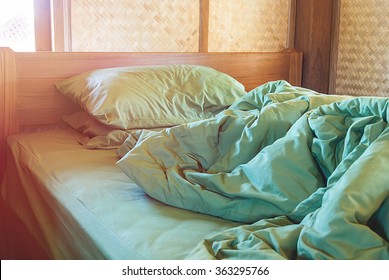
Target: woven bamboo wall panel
{"x":250,"y":25}
{"x":363,"y":52}
{"x":139,"y":26}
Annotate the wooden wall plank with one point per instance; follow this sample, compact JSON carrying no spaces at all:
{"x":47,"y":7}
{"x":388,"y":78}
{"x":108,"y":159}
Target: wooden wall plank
{"x":291,"y":24}
{"x":61,"y":24}
{"x":313,"y":36}
{"x":42,"y":23}
{"x":334,"y":47}
{"x":8,"y":103}
{"x":204,"y":25}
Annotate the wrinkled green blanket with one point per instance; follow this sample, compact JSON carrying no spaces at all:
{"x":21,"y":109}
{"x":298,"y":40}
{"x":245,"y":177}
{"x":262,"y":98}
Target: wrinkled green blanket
{"x":306,"y":174}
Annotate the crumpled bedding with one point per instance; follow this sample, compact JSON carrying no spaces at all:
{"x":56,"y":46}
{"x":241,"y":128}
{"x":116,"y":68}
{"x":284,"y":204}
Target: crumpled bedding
{"x":306,"y":172}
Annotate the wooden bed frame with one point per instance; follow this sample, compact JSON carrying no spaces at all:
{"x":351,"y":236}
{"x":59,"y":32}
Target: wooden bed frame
{"x":29,"y":100}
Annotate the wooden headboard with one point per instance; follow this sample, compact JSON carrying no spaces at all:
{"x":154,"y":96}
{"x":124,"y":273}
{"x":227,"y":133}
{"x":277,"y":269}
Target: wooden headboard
{"x":28,"y":98}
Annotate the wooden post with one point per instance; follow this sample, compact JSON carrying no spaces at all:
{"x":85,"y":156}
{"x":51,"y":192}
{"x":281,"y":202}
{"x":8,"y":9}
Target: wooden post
{"x":204,"y":25}
{"x":8,"y":108}
{"x":313,"y":36}
{"x":42,"y":25}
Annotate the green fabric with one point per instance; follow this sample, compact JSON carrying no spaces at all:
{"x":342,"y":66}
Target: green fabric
{"x":306,"y":173}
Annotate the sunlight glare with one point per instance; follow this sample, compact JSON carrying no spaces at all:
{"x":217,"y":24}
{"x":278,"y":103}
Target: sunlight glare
{"x":17,"y":25}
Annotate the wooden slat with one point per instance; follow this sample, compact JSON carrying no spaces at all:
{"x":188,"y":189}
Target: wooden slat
{"x":245,"y":66}
{"x":295,"y":73}
{"x":42,"y":25}
{"x":8,"y":102}
{"x":61,"y":12}
{"x":291,"y":24}
{"x":204,"y":25}
{"x":313,"y":38}
{"x":334,"y":47}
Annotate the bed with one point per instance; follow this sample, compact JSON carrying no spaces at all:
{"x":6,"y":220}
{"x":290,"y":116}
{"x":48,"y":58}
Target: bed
{"x":255,"y":172}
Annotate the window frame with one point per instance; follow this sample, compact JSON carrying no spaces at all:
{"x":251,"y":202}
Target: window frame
{"x":42,"y":25}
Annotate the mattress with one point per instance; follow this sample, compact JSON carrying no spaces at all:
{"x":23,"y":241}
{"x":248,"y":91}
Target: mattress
{"x":78,"y":204}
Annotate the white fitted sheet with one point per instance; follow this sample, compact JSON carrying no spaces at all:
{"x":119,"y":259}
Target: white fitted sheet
{"x":79,"y":205}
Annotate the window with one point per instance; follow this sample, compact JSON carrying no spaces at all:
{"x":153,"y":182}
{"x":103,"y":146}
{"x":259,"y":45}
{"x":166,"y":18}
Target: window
{"x":17,"y":25}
